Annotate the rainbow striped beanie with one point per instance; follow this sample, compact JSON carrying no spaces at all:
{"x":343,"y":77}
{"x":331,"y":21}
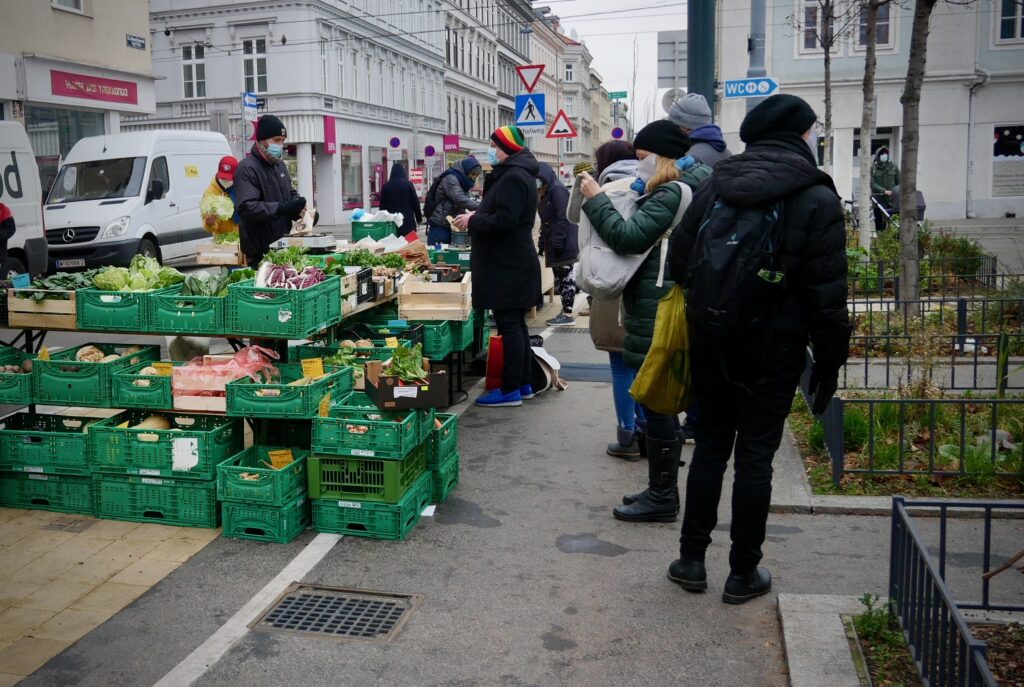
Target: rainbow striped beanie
{"x":509,"y":138}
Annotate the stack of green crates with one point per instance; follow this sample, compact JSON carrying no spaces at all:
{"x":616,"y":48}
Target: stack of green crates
{"x":165,"y":474}
{"x":368,"y":470}
{"x":261,"y":502}
{"x":443,"y":456}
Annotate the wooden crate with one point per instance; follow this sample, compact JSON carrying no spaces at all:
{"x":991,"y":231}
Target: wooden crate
{"x":201,"y":404}
{"x":424,"y":300}
{"x":220,"y":254}
{"x":25,"y":312}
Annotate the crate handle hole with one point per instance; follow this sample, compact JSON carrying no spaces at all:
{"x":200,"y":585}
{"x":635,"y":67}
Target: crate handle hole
{"x":187,"y":421}
{"x":40,"y":502}
{"x":255,"y":531}
{"x":149,"y":437}
{"x":32,"y":439}
{"x":153,"y":514}
{"x":359,"y":527}
{"x":72,"y":424}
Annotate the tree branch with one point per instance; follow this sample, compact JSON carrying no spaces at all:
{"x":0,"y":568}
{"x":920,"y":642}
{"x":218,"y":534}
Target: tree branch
{"x":1005,"y":566}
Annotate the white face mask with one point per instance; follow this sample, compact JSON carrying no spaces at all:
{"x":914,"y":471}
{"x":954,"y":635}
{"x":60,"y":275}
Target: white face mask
{"x":883,"y":158}
{"x":225,"y":184}
{"x":812,"y":143}
{"x":645,"y":168}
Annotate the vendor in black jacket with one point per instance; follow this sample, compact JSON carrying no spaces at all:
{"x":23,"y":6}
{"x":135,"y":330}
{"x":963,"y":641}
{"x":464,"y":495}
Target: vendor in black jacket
{"x":745,"y":388}
{"x":266,"y":202}
{"x":506,"y":272}
{"x":399,"y":195}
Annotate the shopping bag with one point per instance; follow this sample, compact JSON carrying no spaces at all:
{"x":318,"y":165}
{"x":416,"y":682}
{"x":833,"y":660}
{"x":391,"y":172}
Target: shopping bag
{"x":663,"y":383}
{"x":495,"y":363}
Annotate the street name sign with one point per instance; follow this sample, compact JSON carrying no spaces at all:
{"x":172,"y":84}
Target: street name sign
{"x":617,"y":95}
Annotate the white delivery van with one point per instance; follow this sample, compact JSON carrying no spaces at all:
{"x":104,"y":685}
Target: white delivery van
{"x":21,"y":192}
{"x":124,"y":194}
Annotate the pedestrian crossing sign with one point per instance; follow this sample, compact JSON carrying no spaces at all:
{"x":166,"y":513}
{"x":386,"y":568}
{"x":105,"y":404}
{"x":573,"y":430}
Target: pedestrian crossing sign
{"x":530,"y":110}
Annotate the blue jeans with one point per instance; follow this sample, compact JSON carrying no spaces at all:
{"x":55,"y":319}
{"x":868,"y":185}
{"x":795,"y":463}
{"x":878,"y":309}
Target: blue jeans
{"x":437,"y":235}
{"x":627,"y":410}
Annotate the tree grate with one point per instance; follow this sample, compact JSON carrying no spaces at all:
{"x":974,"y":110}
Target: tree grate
{"x":349,"y":614}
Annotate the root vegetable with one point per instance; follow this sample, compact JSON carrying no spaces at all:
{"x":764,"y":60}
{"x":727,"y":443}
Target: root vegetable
{"x":148,"y":371}
{"x":110,"y":358}
{"x":348,"y":343}
{"x":27,"y":365}
{"x":364,"y":343}
{"x":89,"y":354}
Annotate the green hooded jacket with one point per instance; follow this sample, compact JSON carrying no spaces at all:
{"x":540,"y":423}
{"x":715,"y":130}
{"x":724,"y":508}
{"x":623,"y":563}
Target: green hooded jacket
{"x":649,"y":223}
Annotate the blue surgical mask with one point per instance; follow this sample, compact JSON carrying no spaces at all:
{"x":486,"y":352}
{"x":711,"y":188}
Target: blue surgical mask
{"x":276,"y":149}
{"x":883,"y":158}
{"x":492,"y":157}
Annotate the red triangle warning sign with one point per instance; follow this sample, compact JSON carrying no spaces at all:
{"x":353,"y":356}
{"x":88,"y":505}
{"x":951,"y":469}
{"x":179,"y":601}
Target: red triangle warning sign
{"x":530,"y":74}
{"x":562,"y":127}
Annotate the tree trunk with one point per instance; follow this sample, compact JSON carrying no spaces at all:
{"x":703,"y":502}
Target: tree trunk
{"x":827,"y":41}
{"x":911,"y":100}
{"x":867,"y":126}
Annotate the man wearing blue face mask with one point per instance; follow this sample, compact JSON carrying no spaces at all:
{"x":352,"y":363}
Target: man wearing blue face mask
{"x":266,"y":202}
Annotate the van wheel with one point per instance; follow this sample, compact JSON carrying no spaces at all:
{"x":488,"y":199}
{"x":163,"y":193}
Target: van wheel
{"x":149,"y":249}
{"x":15,"y":265}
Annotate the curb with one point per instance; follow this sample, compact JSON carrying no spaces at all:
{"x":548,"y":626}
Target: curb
{"x":816,"y":643}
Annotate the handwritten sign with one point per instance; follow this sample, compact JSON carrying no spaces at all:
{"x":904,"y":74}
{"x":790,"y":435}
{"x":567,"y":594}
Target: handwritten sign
{"x":313,"y":367}
{"x":164,"y":369}
{"x":281,"y":458}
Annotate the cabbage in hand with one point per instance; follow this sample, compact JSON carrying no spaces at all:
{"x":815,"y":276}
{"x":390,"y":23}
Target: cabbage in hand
{"x":220,"y":207}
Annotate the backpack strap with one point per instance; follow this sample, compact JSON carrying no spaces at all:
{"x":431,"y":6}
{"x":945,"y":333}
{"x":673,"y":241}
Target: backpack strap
{"x":680,"y":211}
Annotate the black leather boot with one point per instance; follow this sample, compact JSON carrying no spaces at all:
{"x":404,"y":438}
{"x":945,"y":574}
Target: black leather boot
{"x":633,"y":498}
{"x":742,"y":587}
{"x":627,"y":446}
{"x":660,"y":502}
{"x":690,"y":575}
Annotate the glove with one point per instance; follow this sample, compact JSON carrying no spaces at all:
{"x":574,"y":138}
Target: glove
{"x":291,"y":209}
{"x":822,"y":386}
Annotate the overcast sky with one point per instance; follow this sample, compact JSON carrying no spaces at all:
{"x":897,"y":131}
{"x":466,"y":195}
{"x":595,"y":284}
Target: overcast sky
{"x":610,"y":39}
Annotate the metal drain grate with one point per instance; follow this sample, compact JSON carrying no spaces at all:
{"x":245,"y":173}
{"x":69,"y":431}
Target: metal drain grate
{"x":70,"y":524}
{"x":571,"y":330}
{"x":338,"y":613}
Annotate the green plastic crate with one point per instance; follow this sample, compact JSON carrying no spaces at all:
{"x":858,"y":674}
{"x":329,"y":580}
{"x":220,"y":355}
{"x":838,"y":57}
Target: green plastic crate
{"x":445,"y":478}
{"x":445,"y":441}
{"x":15,"y":387}
{"x":244,"y":397}
{"x":275,"y":487}
{"x":181,"y":502}
{"x":292,"y":433}
{"x":374,"y":230}
{"x":172,"y":313}
{"x":120,"y":311}
{"x":280,"y":313}
{"x":204,"y":440}
{"x":257,"y":522}
{"x":64,"y":380}
{"x":380,"y":351}
{"x":451,"y":256}
{"x":437,"y":339}
{"x":61,"y":493}
{"x":52,"y":444}
{"x":392,"y":437}
{"x":356,"y":399}
{"x":132,"y":390}
{"x":463,"y":332}
{"x":364,"y":479}
{"x":427,"y":424}
{"x":374,"y":520}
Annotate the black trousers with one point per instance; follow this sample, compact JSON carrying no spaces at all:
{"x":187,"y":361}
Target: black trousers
{"x":747,"y":419}
{"x":515,"y":340}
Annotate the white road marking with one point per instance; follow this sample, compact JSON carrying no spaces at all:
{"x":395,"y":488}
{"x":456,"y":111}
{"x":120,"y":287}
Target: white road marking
{"x":206,"y":655}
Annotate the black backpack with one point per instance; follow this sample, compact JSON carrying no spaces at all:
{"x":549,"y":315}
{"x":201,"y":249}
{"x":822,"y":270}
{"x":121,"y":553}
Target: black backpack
{"x":735,"y":279}
{"x":430,"y":201}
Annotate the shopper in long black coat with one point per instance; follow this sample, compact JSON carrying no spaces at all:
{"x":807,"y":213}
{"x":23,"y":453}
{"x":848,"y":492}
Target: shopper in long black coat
{"x":506,"y":271}
{"x":399,"y":195}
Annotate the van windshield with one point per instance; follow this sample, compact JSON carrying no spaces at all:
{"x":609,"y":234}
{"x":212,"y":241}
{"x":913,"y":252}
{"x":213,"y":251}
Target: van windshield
{"x":98,"y":180}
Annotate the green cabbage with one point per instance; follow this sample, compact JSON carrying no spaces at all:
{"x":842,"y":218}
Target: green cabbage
{"x":220,"y":207}
{"x":111,"y":279}
{"x":143,"y":274}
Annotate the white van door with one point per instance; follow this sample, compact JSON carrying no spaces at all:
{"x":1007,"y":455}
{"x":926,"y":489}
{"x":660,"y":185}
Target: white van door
{"x":161,"y":211}
{"x":20,"y":191}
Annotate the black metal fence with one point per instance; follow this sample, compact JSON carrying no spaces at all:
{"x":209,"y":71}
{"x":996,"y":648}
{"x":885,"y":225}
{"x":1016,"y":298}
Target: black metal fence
{"x":945,"y":651}
{"x":952,"y":315}
{"x":954,"y":276}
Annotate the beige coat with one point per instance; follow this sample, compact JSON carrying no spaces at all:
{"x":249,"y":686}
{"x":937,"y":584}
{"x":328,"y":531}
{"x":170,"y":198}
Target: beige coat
{"x":606,"y":329}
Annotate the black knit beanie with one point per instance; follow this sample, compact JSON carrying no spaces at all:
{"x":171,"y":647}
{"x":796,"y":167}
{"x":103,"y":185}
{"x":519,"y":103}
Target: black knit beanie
{"x":269,"y":126}
{"x":663,"y":138}
{"x":777,"y":114}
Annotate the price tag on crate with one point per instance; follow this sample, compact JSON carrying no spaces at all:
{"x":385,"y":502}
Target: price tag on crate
{"x":313,"y":367}
{"x":44,"y":353}
{"x":281,"y":458}
{"x":325,"y":405}
{"x":164,"y":369}
{"x":391,"y":342}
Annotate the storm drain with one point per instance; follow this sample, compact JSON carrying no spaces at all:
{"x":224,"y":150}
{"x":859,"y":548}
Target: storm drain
{"x":350,"y":614}
{"x":571,"y":330}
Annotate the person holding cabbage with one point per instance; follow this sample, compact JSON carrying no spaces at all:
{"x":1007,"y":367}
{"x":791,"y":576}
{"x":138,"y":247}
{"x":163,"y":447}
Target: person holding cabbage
{"x":220,"y":217}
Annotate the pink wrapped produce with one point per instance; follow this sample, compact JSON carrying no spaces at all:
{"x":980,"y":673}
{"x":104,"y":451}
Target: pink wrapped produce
{"x":209,"y":375}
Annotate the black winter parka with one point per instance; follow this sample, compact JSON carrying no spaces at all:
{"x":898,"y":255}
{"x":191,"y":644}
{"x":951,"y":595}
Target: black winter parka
{"x":260,"y":186}
{"x":813,"y":251}
{"x":399,"y":195}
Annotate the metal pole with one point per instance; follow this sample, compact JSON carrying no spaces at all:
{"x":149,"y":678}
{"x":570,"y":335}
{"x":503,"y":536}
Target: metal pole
{"x":700,"y":49}
{"x":755,"y":47}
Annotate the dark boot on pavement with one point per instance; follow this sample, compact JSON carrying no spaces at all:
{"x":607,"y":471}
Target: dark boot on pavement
{"x":742,"y":587}
{"x":660,"y":502}
{"x":633,"y":498}
{"x":690,"y":575}
{"x":627,"y":445}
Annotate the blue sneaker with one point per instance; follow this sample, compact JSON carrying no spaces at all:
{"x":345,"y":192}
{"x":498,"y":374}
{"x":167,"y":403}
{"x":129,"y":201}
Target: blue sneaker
{"x":496,"y":399}
{"x":526,"y":392}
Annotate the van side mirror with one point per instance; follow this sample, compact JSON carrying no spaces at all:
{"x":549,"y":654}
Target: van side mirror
{"x":156,"y":191}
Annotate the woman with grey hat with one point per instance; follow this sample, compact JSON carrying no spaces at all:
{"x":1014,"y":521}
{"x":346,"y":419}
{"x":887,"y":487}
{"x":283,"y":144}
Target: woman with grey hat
{"x":692,"y":114}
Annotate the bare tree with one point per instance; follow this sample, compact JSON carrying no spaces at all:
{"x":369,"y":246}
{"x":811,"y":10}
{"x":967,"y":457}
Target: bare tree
{"x":632,"y":85}
{"x":829,"y":22}
{"x":867,"y":121}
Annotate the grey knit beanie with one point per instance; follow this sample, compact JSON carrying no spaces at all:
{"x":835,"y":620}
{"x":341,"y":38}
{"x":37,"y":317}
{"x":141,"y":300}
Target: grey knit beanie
{"x":690,"y":111}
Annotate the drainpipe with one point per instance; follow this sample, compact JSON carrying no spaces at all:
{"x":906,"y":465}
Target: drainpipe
{"x":982,"y":77}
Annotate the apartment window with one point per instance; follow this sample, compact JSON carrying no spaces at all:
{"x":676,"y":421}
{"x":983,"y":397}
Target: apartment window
{"x":816,"y":29}
{"x":569,"y":147}
{"x":450,"y":126}
{"x":341,"y":71}
{"x":570,"y":105}
{"x":254,"y":64}
{"x":1011,"y":20}
{"x":447,"y":45}
{"x":369,"y":93}
{"x":71,"y":5}
{"x":323,"y":65}
{"x":568,"y":71}
{"x":193,"y":71}
{"x":883,"y":25}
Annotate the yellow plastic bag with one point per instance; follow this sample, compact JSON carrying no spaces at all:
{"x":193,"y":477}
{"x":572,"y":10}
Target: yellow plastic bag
{"x":663,"y":383}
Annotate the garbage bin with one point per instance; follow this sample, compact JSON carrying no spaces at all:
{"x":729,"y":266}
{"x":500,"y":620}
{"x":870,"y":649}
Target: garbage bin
{"x":895,"y":202}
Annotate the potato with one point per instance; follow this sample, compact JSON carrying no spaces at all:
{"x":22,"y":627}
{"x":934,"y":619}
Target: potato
{"x":364,"y":343}
{"x":348,"y":343}
{"x":131,"y":349}
{"x":148,"y":371}
{"x":26,"y":365}
{"x":110,"y":358}
{"x":89,"y":354}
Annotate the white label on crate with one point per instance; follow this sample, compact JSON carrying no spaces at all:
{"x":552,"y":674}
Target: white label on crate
{"x":463,"y":256}
{"x":32,"y":469}
{"x":185,"y":453}
{"x":147,"y":471}
{"x":284,"y":315}
{"x":406,"y":391}
{"x":362,"y":453}
{"x":42,"y":478}
{"x":428,"y":512}
{"x":350,"y":504}
{"x":150,"y":480}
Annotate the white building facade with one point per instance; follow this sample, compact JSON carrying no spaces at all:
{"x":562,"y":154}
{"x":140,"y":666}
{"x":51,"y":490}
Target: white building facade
{"x":97,"y":71}
{"x":971,"y":158}
{"x":470,"y":76}
{"x":359,"y":85}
